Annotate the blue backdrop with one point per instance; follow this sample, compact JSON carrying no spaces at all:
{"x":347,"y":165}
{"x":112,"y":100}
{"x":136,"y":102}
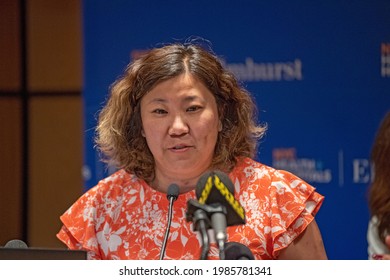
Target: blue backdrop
{"x":319,"y":71}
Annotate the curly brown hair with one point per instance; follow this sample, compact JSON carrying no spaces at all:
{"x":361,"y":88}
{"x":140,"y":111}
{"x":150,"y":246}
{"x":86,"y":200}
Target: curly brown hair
{"x":379,"y":192}
{"x":118,"y":134}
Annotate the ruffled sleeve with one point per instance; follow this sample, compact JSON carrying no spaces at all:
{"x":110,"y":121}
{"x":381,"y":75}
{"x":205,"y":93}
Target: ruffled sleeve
{"x":79,"y":224}
{"x":294,"y":203}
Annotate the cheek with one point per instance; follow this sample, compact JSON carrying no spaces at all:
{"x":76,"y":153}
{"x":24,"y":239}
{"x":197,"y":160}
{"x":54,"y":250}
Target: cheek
{"x":148,"y":130}
{"x":209,"y":129}
{"x":152,"y":132}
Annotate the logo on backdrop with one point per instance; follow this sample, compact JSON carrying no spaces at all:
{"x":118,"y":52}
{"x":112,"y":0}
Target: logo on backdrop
{"x":363,"y":171}
{"x":308,"y":169}
{"x":385,"y":60}
{"x":252,"y":71}
{"x":314,"y":170}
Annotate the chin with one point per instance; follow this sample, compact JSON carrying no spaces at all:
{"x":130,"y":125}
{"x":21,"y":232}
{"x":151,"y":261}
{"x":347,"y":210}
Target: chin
{"x":185,"y":172}
{"x":188,"y":169}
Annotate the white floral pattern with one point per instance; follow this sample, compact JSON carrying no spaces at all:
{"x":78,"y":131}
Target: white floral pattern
{"x":123,"y":218}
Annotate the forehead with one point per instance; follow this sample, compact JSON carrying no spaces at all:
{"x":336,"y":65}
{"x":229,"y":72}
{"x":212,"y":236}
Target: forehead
{"x":184,"y":86}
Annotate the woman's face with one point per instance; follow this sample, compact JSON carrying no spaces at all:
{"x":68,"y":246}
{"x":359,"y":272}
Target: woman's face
{"x":180,"y":123}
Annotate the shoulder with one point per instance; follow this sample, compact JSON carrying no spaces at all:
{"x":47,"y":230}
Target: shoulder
{"x":104,"y":200}
{"x":116,"y":187}
{"x":116,"y":183}
{"x":249,"y":168}
{"x":252,"y":170}
{"x":252,"y":175}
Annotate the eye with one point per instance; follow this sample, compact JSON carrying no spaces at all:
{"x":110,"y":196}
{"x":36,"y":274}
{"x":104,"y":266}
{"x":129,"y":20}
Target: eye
{"x":194,"y":108}
{"x":159,"y":111}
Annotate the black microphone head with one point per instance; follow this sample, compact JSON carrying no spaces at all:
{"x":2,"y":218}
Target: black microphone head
{"x":209,"y":178}
{"x":237,"y":251}
{"x":16,"y":244}
{"x":173,"y":192}
{"x":215,"y":187}
{"x":200,"y":185}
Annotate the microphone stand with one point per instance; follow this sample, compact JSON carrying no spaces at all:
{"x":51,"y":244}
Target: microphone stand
{"x":170,"y":210}
{"x":172,"y":195}
{"x":218,"y":223}
{"x":199,"y":214}
{"x":202,"y":223}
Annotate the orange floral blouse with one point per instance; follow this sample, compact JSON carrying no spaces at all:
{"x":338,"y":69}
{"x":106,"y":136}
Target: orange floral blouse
{"x":123,"y":218}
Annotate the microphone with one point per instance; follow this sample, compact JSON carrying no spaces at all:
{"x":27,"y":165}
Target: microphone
{"x":172,"y":195}
{"x":215,"y":194}
{"x":16,"y":244}
{"x":216,"y":187}
{"x":237,"y":251}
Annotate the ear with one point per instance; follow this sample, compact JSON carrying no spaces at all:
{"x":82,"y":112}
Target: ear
{"x":143,"y":133}
{"x":220,"y":126}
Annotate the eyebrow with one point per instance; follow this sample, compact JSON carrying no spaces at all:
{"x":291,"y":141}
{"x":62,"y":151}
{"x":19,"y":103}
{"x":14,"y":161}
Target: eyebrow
{"x":157,"y":100}
{"x":186,"y":99}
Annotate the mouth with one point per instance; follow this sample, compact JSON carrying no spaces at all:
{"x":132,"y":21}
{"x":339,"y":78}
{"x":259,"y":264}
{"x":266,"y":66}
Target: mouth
{"x":179,"y":147}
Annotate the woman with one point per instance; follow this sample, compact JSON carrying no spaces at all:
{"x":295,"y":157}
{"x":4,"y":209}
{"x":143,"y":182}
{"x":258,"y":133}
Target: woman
{"x":175,"y":114}
{"x":378,"y":234}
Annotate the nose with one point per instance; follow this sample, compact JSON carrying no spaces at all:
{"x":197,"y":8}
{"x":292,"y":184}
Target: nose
{"x":178,"y":126}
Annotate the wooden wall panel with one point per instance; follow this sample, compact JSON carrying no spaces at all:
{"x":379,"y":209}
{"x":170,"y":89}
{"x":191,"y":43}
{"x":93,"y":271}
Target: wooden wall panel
{"x":54,"y":67}
{"x":9,"y":46}
{"x":55,"y":165}
{"x":54,"y":45}
{"x":10,"y":170}
{"x":10,"y":123}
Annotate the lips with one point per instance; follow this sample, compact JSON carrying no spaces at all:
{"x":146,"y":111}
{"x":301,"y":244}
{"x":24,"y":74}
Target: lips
{"x":179,"y":147}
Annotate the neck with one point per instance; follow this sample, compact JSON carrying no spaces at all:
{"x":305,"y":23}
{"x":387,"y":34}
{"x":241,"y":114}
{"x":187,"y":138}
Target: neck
{"x":162,"y":182}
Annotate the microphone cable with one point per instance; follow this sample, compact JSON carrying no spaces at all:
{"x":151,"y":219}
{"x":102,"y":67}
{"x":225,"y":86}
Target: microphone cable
{"x":172,"y":195}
